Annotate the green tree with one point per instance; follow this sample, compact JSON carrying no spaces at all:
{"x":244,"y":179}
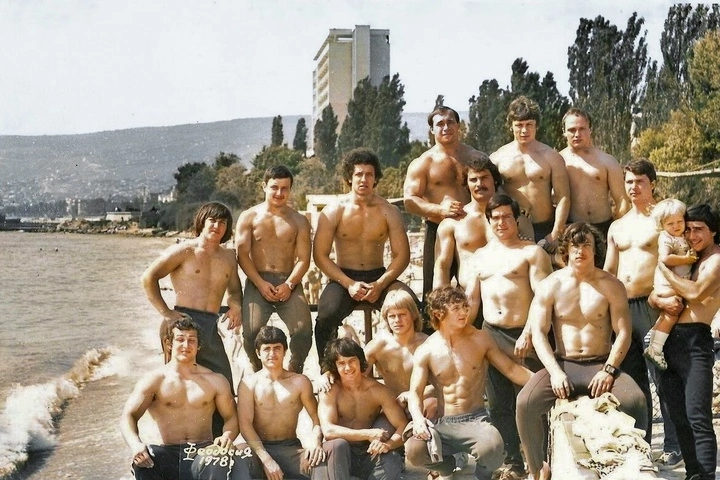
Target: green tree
{"x":607,"y":68}
{"x":325,"y":138}
{"x":668,"y":84}
{"x":277,"y":155}
{"x":277,"y":132}
{"x":374,"y":120}
{"x":231,"y":187}
{"x":195,"y":182}
{"x":301,"y":133}
{"x":487,"y":129}
{"x":553,"y":104}
{"x":223,"y":160}
{"x":355,"y":131}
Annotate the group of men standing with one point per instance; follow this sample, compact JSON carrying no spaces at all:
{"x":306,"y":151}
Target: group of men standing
{"x":495,"y":226}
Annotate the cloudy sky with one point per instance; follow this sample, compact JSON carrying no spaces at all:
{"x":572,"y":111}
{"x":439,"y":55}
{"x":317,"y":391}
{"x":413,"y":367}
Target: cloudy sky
{"x":77,"y":66}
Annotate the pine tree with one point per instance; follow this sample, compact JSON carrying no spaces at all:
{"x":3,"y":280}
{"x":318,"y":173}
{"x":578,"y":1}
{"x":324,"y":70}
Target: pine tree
{"x":325,"y":141}
{"x":301,"y":133}
{"x":277,"y":132}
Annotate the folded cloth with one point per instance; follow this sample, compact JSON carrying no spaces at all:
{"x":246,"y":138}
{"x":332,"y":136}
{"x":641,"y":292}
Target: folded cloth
{"x":434,"y":445}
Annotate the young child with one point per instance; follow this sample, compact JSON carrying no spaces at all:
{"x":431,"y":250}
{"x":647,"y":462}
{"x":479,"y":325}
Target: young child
{"x":674,"y":252}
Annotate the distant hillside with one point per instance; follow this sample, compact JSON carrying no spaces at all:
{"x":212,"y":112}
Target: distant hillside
{"x":125,"y":162}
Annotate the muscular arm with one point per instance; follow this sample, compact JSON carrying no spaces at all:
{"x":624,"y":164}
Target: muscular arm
{"x":418,"y":381}
{"x":612,"y":255}
{"x":234,"y":298}
{"x":225,"y":405}
{"x":621,"y":323}
{"x":561,"y":193}
{"x":414,"y":190}
{"x":616,"y":185}
{"x":444,"y":253}
{"x":394,"y":414}
{"x":698,"y":290}
{"x":540,"y":320}
{"x":513,"y":371}
{"x":135,"y":407}
{"x":322,"y":246}
{"x":473,"y":292}
{"x":170,"y":260}
{"x":399,"y":248}
{"x":302,"y":259}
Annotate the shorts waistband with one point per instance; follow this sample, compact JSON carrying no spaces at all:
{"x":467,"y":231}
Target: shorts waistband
{"x":375,"y":271}
{"x":693,"y":326}
{"x":514,"y":331}
{"x":641,"y":299}
{"x":584,"y":361}
{"x":190,"y":311}
{"x":465,"y":417}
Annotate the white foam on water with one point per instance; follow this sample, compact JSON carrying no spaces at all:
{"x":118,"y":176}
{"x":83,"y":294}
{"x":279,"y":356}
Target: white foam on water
{"x":27,"y":423}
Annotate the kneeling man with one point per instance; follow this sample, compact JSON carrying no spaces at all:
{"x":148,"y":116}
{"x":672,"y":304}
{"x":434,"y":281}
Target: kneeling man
{"x":455,"y":359}
{"x":269,"y":402}
{"x":181,"y":397}
{"x":585,"y":306}
{"x":358,"y":439}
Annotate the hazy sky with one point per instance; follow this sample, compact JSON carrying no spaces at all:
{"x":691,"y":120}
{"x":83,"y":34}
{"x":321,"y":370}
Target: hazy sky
{"x":76,"y":66}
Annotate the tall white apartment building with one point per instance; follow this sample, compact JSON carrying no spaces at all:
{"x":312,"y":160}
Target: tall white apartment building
{"x":345,"y":58}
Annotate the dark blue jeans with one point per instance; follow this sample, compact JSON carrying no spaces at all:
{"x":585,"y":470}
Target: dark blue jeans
{"x":687,"y":388}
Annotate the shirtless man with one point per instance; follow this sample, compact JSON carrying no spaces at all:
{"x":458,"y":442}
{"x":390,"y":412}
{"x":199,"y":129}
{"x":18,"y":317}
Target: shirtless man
{"x":182,"y":389}
{"x":435,"y":183}
{"x":632,"y":254}
{"x":392,"y":354}
{"x":273,"y":249}
{"x":355,"y":441}
{"x":458,"y":238}
{"x":506,"y":273}
{"x":359,"y":225}
{"x":534,"y":174}
{"x":201,"y":271}
{"x":687,"y":384}
{"x":594,"y":175}
{"x":585,"y":306}
{"x":269,"y":403}
{"x":454,"y":359}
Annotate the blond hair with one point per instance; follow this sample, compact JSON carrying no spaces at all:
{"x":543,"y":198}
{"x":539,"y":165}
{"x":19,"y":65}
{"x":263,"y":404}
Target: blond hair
{"x":402,"y":299}
{"x":666,"y":208}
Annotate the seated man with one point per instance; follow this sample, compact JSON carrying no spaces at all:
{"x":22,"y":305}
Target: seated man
{"x":355,"y":441}
{"x":359,"y":226}
{"x":585,"y":306}
{"x":182,"y":389}
{"x":392,"y":354}
{"x":269,"y":402}
{"x":455,"y":359}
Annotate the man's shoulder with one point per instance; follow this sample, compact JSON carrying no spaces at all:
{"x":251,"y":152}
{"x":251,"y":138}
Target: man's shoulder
{"x":510,"y":148}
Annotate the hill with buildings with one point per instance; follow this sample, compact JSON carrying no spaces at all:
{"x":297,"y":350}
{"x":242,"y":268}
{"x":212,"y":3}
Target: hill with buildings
{"x":131,"y":162}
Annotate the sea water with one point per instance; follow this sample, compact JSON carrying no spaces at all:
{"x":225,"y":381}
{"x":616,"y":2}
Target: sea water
{"x":77,"y":331}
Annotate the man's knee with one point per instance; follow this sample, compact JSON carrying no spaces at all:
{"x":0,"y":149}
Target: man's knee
{"x":416,"y":451}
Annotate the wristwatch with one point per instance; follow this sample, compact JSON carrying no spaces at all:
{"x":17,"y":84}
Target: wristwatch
{"x":611,"y":370}
{"x":289,"y":284}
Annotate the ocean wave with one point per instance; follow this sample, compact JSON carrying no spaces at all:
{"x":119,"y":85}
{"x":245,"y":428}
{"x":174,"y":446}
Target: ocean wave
{"x":27,"y":423}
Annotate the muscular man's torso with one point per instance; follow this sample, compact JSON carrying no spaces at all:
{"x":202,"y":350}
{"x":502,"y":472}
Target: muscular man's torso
{"x":274,"y":237}
{"x":589,"y":185}
{"x":361,"y":234}
{"x":636,"y":238}
{"x":202,"y":278}
{"x":527,"y":178}
{"x":505,"y":289}
{"x":277,"y":404}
